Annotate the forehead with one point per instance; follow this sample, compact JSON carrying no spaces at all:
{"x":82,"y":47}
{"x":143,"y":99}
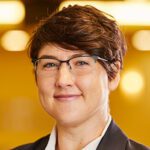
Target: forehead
{"x":57,"y":51}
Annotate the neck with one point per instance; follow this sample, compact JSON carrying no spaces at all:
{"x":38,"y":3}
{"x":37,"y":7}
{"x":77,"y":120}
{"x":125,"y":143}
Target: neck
{"x":77,"y":137}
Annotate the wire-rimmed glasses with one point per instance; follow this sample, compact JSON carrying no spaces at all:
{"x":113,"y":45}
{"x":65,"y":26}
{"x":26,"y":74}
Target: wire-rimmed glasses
{"x":48,"y":66}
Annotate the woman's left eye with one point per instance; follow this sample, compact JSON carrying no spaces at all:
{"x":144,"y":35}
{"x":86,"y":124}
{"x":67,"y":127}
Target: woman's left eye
{"x":81,"y":63}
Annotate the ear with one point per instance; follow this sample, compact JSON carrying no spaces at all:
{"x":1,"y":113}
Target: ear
{"x":113,"y":84}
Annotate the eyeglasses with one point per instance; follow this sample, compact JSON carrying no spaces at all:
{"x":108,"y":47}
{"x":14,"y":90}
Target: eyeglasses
{"x":49,"y":66}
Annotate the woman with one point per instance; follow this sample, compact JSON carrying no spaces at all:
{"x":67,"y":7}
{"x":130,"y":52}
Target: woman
{"x":77,"y":55}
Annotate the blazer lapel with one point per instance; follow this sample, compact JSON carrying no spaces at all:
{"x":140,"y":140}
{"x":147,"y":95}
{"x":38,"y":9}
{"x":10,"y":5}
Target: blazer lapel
{"x":41,"y":143}
{"x":114,"y":139}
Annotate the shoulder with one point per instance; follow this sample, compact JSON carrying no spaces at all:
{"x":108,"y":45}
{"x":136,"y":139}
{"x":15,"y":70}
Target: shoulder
{"x":116,"y":138}
{"x":132,"y":145}
{"x":40,"y":144}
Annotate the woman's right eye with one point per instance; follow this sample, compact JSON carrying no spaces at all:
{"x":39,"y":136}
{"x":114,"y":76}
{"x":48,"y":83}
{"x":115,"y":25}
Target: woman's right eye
{"x":49,"y":65}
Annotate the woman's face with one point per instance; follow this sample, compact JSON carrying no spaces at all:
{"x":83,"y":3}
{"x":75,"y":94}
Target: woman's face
{"x":69,"y":98}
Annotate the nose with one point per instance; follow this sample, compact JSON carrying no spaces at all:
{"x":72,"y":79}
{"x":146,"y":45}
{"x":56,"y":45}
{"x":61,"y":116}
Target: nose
{"x":64,"y":78}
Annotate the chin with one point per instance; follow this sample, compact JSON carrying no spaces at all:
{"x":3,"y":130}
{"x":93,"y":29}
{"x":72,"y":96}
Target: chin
{"x":69,"y":121}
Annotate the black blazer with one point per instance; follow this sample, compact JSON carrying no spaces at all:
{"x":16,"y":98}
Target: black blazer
{"x":114,"y":139}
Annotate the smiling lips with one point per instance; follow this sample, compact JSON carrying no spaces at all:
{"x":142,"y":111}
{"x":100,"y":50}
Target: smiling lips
{"x":67,"y":97}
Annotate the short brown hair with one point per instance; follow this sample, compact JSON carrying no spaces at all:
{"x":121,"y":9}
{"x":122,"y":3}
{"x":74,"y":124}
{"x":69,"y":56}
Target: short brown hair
{"x":85,"y":28}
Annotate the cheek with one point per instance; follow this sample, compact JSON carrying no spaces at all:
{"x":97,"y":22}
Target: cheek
{"x":46,"y":90}
{"x":94,"y":86}
{"x":45,"y":87}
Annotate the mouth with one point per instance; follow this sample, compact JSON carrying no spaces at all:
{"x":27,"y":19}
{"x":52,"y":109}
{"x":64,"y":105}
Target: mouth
{"x":66,"y":97}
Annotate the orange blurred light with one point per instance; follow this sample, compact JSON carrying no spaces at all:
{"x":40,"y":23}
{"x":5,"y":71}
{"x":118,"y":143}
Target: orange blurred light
{"x":11,"y":12}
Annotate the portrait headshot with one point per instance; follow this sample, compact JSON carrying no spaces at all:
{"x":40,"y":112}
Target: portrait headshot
{"x":77,"y":54}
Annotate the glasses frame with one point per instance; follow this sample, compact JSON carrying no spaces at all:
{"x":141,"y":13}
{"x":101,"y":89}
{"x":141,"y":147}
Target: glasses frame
{"x":95,"y":57}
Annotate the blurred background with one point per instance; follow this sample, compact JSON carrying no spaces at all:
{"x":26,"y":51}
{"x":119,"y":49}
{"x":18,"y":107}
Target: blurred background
{"x":22,"y":118}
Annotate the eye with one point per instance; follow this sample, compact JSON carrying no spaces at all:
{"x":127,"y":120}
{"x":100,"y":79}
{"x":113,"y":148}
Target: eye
{"x":81,"y":63}
{"x":49,"y":65}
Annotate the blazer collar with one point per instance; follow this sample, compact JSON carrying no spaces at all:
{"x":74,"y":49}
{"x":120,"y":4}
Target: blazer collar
{"x":114,"y":138}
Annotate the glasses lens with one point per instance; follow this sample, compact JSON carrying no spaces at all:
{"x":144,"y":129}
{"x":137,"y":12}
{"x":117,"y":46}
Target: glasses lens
{"x":47,"y":67}
{"x":82,"y":65}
